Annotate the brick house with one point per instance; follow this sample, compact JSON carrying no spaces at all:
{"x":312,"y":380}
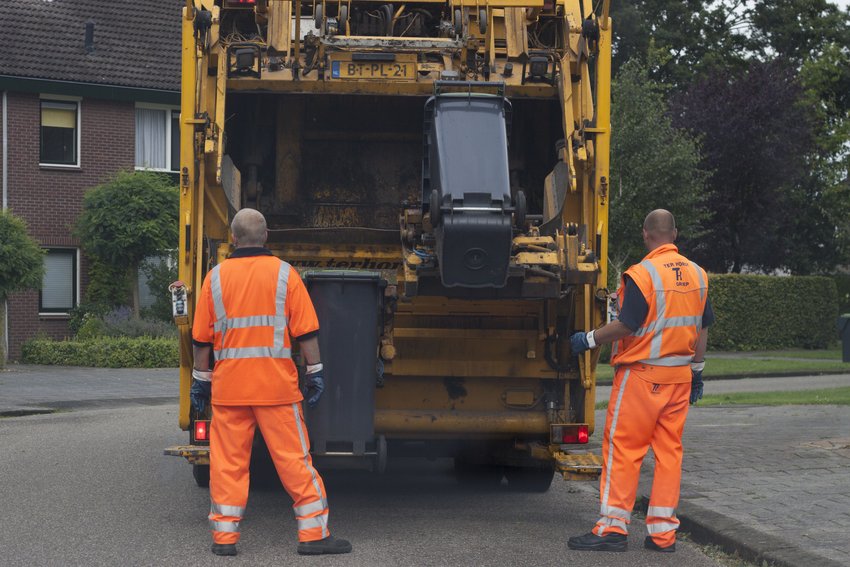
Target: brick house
{"x":89,"y":87}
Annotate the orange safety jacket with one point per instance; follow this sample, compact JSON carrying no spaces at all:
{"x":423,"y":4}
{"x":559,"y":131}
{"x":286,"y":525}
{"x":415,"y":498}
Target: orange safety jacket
{"x":248,"y":307}
{"x":676,"y":291}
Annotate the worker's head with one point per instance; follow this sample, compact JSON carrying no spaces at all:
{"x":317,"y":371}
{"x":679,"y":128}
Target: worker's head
{"x":249,"y":228}
{"x":659,"y":228}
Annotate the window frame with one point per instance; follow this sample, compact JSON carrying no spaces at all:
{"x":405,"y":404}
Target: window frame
{"x":169,"y":115}
{"x":59,"y":312}
{"x":78,"y":149}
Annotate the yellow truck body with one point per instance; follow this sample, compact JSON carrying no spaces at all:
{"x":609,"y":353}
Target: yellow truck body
{"x":316,"y":113}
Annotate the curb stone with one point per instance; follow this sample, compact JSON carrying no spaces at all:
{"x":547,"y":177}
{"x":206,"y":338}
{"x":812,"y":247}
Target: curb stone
{"x":709,"y":527}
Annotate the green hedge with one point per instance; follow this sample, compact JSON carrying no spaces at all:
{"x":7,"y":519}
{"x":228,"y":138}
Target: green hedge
{"x":772,"y":312}
{"x":842,"y":281}
{"x":105,"y":352}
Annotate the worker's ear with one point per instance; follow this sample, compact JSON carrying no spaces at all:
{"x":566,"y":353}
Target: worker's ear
{"x":675,"y":234}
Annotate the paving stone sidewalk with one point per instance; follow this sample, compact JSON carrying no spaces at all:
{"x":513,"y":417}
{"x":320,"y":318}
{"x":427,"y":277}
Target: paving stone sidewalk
{"x":771,"y":482}
{"x":27,"y":388}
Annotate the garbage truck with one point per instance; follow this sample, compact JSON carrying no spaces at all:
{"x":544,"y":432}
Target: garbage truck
{"x":437,"y":172}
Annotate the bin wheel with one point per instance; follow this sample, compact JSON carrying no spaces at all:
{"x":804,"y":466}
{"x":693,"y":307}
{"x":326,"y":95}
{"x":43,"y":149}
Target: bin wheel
{"x":458,"y":22}
{"x":521,"y":208}
{"x":529,"y":479}
{"x":381,"y":459}
{"x":434,"y":208}
{"x":318,"y":18}
{"x":202,"y":475}
{"x":482,"y":20}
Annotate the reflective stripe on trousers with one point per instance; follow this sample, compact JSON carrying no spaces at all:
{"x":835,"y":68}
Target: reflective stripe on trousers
{"x":220,"y":514}
{"x":320,"y":521}
{"x":278,"y":321}
{"x":609,"y":463}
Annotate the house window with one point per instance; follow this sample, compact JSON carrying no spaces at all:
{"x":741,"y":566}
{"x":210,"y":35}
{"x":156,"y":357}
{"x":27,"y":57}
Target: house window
{"x":157,"y":138}
{"x":59,"y":286}
{"x":60,"y":121}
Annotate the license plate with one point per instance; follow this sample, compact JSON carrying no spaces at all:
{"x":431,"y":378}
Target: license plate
{"x":373,"y":70}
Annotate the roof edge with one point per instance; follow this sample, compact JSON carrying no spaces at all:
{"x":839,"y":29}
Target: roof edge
{"x":89,"y":90}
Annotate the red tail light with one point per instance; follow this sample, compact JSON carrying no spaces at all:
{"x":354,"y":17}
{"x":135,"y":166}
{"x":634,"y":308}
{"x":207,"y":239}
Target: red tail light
{"x":202,"y":431}
{"x":238,"y":3}
{"x":570,"y":434}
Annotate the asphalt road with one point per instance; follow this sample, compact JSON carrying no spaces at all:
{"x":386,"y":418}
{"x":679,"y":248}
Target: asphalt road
{"x":92,"y":487}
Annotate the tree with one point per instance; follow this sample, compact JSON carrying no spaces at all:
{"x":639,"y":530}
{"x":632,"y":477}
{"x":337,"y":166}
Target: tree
{"x":21,"y":265}
{"x":653,"y":165}
{"x":755,"y":137}
{"x":678,"y":40}
{"x":797,"y":30}
{"x":127,"y":219}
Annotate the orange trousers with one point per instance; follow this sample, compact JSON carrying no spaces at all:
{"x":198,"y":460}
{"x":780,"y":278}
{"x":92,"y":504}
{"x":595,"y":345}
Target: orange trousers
{"x":231,"y":438}
{"x":642,"y":414}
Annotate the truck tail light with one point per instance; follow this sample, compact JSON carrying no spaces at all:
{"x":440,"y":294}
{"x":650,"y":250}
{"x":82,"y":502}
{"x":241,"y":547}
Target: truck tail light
{"x":241,"y":2}
{"x":201,"y":431}
{"x":576,"y":433}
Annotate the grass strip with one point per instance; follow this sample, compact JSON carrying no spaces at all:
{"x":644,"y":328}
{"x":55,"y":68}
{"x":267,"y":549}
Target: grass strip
{"x":746,"y":366}
{"x":827,"y":396}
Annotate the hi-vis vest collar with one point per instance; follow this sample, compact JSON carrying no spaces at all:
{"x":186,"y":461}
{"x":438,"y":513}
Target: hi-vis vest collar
{"x":223,"y":323}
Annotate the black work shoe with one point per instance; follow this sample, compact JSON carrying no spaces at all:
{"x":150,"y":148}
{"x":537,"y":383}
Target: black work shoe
{"x":328,"y":545}
{"x":650,"y":544}
{"x":224,"y":548}
{"x":592,"y":542}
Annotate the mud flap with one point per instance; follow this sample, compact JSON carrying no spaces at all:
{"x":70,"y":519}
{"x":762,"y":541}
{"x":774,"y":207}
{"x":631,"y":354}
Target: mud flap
{"x":578,"y":465}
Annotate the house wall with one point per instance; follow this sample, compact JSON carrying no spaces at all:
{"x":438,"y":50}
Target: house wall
{"x":50,"y":199}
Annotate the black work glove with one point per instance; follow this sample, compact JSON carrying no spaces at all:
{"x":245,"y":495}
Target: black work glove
{"x":696,"y":381}
{"x":199,"y":395}
{"x":314,"y":384}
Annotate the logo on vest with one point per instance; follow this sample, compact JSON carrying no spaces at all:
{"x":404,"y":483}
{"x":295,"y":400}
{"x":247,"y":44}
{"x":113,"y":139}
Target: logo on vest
{"x":656,"y":388}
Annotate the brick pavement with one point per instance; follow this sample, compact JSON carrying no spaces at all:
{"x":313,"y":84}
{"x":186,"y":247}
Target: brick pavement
{"x":771,"y":482}
{"x":24,"y":388}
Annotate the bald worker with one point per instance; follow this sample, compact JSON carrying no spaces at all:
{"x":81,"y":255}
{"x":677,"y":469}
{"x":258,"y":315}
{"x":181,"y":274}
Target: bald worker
{"x":658,"y":354}
{"x":250,"y":309}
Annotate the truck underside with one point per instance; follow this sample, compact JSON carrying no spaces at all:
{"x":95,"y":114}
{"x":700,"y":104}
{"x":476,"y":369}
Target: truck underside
{"x":468,"y":192}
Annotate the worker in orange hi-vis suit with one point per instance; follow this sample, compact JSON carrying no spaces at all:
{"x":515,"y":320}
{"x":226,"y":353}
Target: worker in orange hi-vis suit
{"x":659,"y":348}
{"x":250,"y":308}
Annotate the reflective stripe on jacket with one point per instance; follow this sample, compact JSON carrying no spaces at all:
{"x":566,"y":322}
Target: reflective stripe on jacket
{"x":675,"y":290}
{"x":249,"y":309}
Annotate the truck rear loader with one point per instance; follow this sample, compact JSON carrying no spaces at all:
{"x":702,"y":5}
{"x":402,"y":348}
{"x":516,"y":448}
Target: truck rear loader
{"x":437,"y":171}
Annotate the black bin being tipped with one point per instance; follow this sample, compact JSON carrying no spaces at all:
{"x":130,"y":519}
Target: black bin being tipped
{"x":348,"y":305}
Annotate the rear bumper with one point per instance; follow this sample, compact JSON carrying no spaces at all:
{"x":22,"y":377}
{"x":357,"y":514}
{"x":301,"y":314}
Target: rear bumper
{"x":195,"y":454}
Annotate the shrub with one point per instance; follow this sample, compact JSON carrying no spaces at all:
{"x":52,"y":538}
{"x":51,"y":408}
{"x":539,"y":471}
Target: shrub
{"x":120,"y":322}
{"x":160,"y":273}
{"x":104,"y":352}
{"x":842,"y":282}
{"x":770,"y":312}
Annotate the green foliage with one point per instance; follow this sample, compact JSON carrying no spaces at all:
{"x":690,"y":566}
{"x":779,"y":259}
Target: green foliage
{"x":104,"y":352}
{"x":109,"y":285}
{"x":21,"y":258}
{"x":769,"y":312}
{"x":122,"y":323}
{"x":842,"y":283}
{"x":160,"y":274}
{"x":678,"y":40}
{"x":653,"y":165}
{"x":129,"y":218}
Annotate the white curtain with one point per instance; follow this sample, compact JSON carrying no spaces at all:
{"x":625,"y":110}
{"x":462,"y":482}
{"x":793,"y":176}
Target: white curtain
{"x":150,"y":138}
{"x":57,"y":290}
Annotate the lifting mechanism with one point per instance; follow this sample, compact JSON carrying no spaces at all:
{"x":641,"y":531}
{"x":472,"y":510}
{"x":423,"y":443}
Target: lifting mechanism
{"x":444,"y":161}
